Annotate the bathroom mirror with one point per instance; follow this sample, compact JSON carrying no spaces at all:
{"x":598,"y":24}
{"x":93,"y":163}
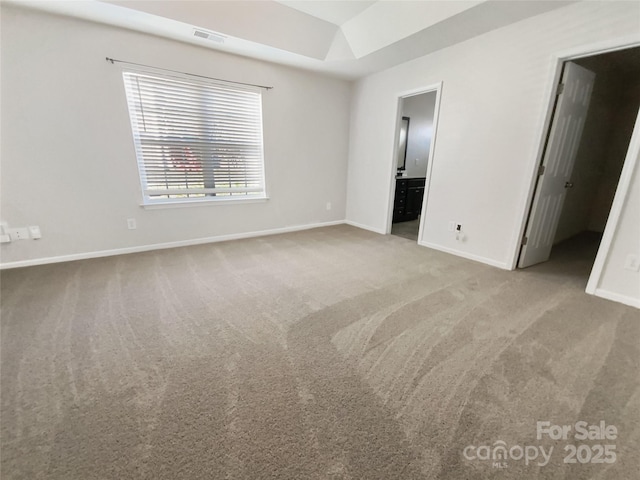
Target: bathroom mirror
{"x":402,"y":143}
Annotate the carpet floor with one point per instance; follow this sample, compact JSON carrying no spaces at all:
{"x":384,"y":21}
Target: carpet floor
{"x":332,"y":353}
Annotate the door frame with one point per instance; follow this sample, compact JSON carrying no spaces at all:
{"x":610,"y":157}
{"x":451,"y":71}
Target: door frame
{"x":622,"y":189}
{"x":436,"y":87}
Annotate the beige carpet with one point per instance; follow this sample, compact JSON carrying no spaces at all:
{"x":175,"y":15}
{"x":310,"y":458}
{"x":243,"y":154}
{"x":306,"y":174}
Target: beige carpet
{"x":326,"y":354}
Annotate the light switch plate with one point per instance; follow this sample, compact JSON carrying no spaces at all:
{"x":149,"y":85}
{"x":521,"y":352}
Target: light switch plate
{"x":34,"y":231}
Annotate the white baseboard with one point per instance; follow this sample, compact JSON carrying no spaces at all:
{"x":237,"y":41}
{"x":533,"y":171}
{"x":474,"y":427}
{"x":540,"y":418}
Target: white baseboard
{"x":469,"y":256}
{"x":365,"y":227}
{"x":161,"y":246}
{"x":616,"y":297}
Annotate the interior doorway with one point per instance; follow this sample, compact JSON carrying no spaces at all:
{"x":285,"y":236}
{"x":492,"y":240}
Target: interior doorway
{"x":413,"y":153}
{"x":594,"y":116}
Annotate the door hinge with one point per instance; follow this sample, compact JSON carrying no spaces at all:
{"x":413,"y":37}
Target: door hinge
{"x":541,"y":170}
{"x":524,"y":240}
{"x":560,"y":89}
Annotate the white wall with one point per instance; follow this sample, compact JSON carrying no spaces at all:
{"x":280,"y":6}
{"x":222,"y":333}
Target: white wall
{"x":494,"y":103}
{"x":420,"y":110}
{"x":68,"y":162}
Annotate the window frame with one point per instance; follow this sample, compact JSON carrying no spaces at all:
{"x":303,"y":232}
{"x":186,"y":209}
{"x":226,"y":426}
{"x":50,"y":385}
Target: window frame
{"x":149,"y":202}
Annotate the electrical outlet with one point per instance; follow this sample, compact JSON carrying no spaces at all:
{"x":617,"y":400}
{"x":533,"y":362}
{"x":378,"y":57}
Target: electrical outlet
{"x":18,"y":233}
{"x":131,"y":223}
{"x":632,"y":263}
{"x":328,"y":205}
{"x":452,"y":226}
{"x":458,"y":227}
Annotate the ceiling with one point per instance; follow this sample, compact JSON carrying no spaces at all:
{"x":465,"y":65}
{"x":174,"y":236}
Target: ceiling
{"x":349,"y":39}
{"x":336,"y":11}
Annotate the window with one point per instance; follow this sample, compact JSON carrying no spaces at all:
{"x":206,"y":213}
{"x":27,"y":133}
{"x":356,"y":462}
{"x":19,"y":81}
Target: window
{"x":195,"y":140}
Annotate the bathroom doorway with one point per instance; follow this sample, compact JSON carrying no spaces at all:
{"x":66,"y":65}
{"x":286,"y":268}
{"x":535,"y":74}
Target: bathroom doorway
{"x":415,"y":138}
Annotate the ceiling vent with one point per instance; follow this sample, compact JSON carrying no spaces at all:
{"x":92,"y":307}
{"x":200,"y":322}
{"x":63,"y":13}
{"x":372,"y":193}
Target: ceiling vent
{"x":211,"y":36}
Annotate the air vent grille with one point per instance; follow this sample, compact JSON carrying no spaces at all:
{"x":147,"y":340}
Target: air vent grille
{"x":211,"y":36}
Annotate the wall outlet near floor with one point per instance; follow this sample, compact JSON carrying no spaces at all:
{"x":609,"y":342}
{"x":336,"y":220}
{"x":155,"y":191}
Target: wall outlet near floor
{"x":452,"y":226}
{"x":328,"y":205}
{"x":131,"y":223}
{"x":632,"y":262}
{"x":19,"y":233}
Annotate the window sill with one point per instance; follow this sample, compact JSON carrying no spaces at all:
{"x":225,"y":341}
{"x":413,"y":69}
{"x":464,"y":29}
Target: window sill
{"x":201,"y":203}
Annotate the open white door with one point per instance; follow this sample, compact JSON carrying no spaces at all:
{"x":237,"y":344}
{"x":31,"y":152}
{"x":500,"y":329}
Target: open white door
{"x":557,"y":164}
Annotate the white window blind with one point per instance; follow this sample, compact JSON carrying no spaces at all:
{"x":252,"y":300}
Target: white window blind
{"x":195,"y":140}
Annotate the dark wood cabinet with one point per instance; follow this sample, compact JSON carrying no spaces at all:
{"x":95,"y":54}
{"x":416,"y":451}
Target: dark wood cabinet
{"x":408,"y":200}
